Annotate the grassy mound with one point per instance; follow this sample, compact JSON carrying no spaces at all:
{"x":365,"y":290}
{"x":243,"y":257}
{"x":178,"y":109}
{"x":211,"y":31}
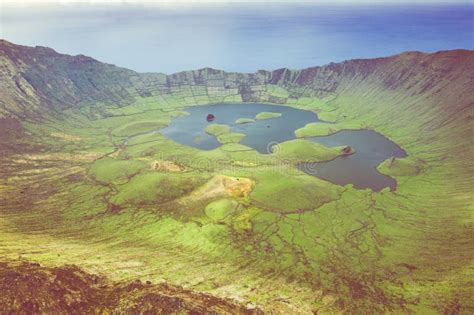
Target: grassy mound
{"x":217,"y":129}
{"x":286,"y":193}
{"x":267,"y":115}
{"x":244,"y":121}
{"x":156,"y":188}
{"x":231,"y":137}
{"x":300,"y":150}
{"x":315,"y":129}
{"x":401,"y":167}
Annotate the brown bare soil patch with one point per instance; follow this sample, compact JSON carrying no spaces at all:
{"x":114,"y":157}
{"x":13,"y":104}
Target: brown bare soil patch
{"x":217,"y":187}
{"x":221,"y":186}
{"x":166,"y":166}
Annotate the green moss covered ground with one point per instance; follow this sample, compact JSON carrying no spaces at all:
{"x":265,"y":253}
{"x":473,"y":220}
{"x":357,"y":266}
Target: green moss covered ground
{"x":267,"y":115}
{"x":300,"y":150}
{"x":217,"y":129}
{"x":231,"y":137}
{"x":154,"y":188}
{"x":315,"y":129}
{"x":265,"y":232}
{"x":402,"y":167}
{"x":244,"y":121}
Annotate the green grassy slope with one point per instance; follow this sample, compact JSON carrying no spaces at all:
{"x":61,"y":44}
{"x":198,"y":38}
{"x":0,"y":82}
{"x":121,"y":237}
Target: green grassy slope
{"x":231,"y":221}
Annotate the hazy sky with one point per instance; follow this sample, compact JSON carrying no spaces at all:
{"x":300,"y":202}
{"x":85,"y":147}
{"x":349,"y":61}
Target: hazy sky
{"x":170,"y":2}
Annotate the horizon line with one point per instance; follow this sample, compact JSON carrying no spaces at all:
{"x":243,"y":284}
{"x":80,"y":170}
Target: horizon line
{"x":217,"y":2}
{"x":246,"y":72}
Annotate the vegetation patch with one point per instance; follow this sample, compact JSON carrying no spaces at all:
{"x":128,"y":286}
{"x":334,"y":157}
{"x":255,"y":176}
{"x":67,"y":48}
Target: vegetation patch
{"x":315,"y":129}
{"x":277,"y":91}
{"x":242,"y":222}
{"x":300,"y":150}
{"x":65,"y":136}
{"x":179,"y":113}
{"x":217,"y":129}
{"x":267,"y":115}
{"x":285,"y":193}
{"x":244,"y":121}
{"x":314,"y":103}
{"x":235,"y":147}
{"x":401,"y":166}
{"x":220,"y":210}
{"x":155,"y":188}
{"x":135,"y":128}
{"x":231,"y":137}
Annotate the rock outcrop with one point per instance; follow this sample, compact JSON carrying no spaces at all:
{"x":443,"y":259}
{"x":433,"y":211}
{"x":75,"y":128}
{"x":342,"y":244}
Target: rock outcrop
{"x":36,"y":81}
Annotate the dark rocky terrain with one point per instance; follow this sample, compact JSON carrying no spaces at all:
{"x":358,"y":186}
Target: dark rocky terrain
{"x":28,"y":288}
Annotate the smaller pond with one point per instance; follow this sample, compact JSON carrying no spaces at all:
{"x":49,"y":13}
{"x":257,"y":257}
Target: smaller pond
{"x":359,"y":169}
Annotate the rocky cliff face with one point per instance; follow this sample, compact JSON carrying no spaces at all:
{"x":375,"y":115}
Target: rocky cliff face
{"x":37,"y":83}
{"x":35,"y":80}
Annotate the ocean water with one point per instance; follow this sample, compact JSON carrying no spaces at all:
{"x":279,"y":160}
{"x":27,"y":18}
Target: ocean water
{"x":233,"y":37}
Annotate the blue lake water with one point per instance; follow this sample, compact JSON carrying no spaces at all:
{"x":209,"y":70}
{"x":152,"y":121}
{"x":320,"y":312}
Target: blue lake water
{"x":261,"y":134}
{"x":359,"y":169}
{"x":244,"y":38}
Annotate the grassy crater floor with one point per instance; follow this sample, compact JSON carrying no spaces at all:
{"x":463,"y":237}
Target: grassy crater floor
{"x":239,"y":224}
